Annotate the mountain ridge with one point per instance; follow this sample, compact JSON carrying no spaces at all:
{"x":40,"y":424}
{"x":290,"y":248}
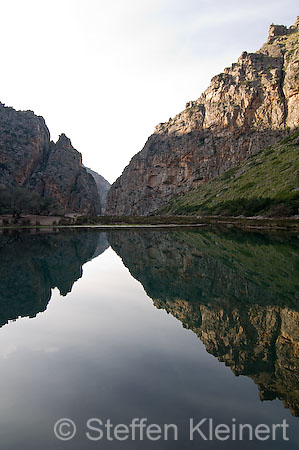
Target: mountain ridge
{"x":251,"y":105}
{"x":38,"y":175}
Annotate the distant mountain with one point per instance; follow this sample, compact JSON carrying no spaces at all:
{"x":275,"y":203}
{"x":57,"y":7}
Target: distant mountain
{"x":251,"y":105}
{"x":38,"y":175}
{"x":103,"y":186}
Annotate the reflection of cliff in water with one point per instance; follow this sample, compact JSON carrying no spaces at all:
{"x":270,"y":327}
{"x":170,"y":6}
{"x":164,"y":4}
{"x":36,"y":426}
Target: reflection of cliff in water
{"x":238,"y":292}
{"x":34,"y":264}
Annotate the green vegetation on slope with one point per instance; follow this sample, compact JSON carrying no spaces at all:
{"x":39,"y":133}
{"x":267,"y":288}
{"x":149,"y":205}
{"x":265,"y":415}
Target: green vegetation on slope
{"x":265,"y":184}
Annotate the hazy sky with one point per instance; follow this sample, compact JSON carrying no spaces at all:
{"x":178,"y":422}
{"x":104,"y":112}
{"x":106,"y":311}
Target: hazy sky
{"x":106,"y":72}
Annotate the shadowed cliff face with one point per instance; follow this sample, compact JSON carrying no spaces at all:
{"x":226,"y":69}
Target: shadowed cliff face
{"x":52,"y":170}
{"x":33,"y":264}
{"x":248,"y":107}
{"x":103,"y":187}
{"x":238,"y":292}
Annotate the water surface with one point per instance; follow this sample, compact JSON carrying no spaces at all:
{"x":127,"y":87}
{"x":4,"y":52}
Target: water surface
{"x":162,"y":325}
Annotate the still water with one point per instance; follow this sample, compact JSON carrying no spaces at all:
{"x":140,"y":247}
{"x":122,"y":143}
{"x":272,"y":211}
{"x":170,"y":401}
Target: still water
{"x":170,"y":326}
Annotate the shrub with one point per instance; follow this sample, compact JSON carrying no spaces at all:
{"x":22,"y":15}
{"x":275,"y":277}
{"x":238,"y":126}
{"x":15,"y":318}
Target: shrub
{"x":25,"y":222}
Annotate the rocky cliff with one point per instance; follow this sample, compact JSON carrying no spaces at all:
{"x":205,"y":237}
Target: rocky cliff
{"x":236,"y":291}
{"x":103,"y":187}
{"x":30,"y":162}
{"x":255,"y":187}
{"x":251,"y":105}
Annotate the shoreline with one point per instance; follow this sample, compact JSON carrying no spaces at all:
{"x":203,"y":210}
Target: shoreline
{"x":154,"y":222}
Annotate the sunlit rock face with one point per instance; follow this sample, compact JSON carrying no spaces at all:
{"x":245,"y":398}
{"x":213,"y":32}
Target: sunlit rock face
{"x":34,"y":264}
{"x":251,"y":105}
{"x":238,"y":292}
{"x":30,"y":160}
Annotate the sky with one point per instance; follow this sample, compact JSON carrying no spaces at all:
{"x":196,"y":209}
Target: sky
{"x":105,"y":73}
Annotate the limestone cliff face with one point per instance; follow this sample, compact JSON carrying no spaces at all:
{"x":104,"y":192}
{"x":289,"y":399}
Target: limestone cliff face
{"x":103,"y":187}
{"x":24,"y":144}
{"x":29,"y":159}
{"x":249,"y":106}
{"x":229,"y":289}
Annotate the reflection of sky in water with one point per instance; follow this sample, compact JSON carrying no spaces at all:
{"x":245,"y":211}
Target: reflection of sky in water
{"x":105,"y":351}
